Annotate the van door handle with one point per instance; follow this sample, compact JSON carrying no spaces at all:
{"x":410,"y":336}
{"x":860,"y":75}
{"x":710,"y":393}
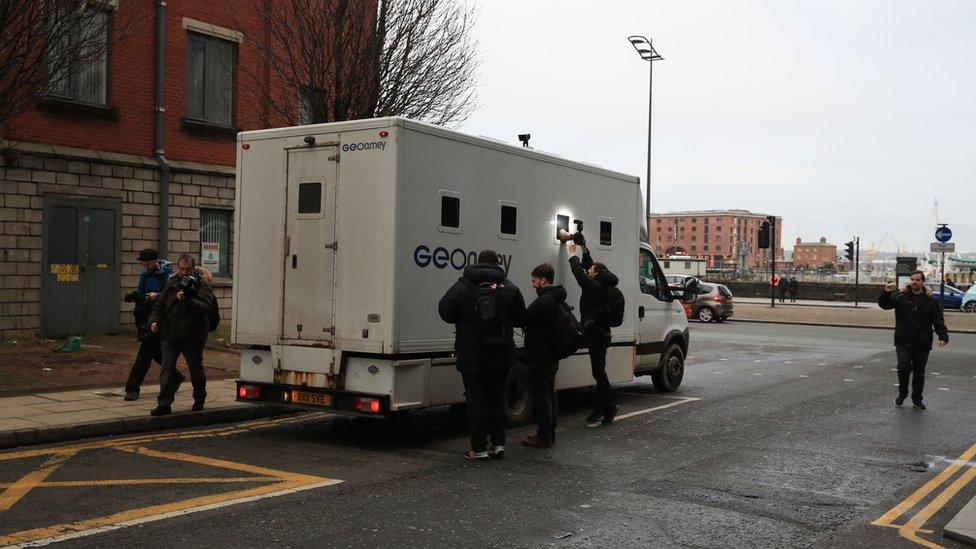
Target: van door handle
{"x":294,"y":262}
{"x":640,"y":311}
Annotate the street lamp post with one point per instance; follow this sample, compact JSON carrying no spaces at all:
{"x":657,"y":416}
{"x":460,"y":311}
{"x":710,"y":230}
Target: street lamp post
{"x":645,"y":49}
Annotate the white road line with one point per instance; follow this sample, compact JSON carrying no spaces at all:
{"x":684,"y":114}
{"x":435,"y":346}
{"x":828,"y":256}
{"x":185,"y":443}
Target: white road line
{"x":848,"y":380}
{"x":943,"y":388}
{"x":162,"y":516}
{"x":683,"y":400}
{"x":801,"y":375}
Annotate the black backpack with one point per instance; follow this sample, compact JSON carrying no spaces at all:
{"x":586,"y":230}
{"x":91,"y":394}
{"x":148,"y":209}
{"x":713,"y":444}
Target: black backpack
{"x":567,"y":333}
{"x":490,"y":314}
{"x":613,"y":306}
{"x":213,"y":315}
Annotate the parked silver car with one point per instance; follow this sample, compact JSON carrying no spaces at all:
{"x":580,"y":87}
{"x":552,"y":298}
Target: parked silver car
{"x":713,"y":303}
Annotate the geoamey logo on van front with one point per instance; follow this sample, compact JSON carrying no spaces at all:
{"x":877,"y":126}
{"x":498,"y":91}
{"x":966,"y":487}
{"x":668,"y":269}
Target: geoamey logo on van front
{"x":364,"y":146}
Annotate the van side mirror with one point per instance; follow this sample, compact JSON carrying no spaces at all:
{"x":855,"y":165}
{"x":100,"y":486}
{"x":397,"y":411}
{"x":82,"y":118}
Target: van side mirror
{"x":690,"y":290}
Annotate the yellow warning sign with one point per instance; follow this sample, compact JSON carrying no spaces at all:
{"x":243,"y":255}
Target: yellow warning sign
{"x":66,"y":272}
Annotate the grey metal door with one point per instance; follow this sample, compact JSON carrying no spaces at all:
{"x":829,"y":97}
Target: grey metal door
{"x":81,"y":275}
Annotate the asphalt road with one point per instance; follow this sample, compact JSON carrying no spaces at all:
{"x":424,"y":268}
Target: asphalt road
{"x":794,"y":440}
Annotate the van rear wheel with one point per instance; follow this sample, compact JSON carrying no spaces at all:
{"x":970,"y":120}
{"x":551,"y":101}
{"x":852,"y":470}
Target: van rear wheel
{"x":668,"y":377}
{"x":519,"y":402}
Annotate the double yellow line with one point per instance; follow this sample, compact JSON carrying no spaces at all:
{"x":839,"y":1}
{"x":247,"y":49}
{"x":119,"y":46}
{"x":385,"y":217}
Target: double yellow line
{"x":910,"y":529}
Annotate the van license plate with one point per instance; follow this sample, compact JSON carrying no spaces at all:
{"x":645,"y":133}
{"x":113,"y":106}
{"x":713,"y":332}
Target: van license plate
{"x":314,"y":399}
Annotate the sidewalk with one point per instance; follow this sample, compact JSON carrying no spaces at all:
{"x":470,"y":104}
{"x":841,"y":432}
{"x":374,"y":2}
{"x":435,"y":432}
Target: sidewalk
{"x":807,"y":303}
{"x":45,"y":417}
{"x":747,"y":310}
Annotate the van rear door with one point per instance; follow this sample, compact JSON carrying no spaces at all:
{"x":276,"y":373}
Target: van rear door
{"x":310,"y":245}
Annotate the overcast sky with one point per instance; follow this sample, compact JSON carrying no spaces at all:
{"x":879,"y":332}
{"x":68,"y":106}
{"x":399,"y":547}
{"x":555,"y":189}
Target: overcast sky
{"x":843,"y":117}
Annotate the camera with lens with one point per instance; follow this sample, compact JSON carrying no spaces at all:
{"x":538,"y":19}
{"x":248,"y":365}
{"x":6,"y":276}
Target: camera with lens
{"x":189,"y":285}
{"x":134,"y":296}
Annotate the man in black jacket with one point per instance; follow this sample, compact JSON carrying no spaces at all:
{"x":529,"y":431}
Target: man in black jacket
{"x":916,"y":315}
{"x":540,"y":353}
{"x":182,"y":320}
{"x":484,"y":346}
{"x":594,"y":279}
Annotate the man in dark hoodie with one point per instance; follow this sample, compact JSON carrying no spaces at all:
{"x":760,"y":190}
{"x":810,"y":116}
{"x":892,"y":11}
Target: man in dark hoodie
{"x":594,"y":279}
{"x":152,"y":282}
{"x":916,"y":315}
{"x":484,"y":307}
{"x":181,"y":318}
{"x":543,"y":362}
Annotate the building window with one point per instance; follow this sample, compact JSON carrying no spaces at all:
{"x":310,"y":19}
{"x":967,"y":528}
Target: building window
{"x":215,"y":241}
{"x":210,"y":80}
{"x":79,"y":58}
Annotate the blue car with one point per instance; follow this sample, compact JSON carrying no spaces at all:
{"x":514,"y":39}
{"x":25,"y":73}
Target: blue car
{"x":969,"y":300}
{"x":953,"y":296}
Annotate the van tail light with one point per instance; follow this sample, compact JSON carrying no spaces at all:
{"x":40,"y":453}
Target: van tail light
{"x":368,"y":405}
{"x":250,"y":392}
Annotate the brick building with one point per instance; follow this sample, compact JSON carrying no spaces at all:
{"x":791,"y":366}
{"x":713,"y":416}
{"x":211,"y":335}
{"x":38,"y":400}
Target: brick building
{"x":93,"y":170}
{"x":814,"y":255}
{"x":714,"y":235}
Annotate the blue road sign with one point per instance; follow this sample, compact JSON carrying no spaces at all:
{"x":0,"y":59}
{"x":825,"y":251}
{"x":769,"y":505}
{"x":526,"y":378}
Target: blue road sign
{"x":943,"y":234}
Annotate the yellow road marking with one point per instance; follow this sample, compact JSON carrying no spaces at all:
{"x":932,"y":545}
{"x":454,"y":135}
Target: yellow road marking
{"x":20,"y":488}
{"x":910,"y":529}
{"x":683,"y":400}
{"x":274,"y":482}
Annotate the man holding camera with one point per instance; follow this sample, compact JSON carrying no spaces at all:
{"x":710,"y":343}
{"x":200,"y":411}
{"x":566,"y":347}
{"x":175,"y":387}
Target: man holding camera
{"x":594,"y":278}
{"x":916,"y":316}
{"x":152,"y":282}
{"x":181,"y":318}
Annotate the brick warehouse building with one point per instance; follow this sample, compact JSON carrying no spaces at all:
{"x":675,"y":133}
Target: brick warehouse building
{"x":85,"y":167}
{"x":714,"y":235}
{"x":814,"y":255}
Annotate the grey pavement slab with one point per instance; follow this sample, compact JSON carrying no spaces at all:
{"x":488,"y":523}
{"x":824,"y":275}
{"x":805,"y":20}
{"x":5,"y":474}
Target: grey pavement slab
{"x":962,"y":527}
{"x":67,"y":415}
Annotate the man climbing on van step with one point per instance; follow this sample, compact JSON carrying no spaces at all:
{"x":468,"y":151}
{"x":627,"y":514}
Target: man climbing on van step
{"x":484,"y":307}
{"x":596,"y":283}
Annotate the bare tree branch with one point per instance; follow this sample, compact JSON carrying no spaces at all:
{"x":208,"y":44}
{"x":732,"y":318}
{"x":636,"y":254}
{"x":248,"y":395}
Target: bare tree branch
{"x":332,"y":60}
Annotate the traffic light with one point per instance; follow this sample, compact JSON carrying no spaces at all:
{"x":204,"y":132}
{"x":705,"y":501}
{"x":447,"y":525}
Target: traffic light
{"x":849,"y":251}
{"x":764,"y":235}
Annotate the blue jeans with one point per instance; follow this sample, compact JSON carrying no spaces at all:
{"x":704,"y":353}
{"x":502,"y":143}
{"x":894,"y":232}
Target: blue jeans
{"x":911,"y":362}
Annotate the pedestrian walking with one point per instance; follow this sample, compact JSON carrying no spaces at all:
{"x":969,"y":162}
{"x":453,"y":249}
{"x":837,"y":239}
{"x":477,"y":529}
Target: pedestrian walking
{"x":794,"y":289}
{"x":152,"y":282}
{"x":541,"y":355}
{"x":917,"y":315}
{"x":594,"y":279}
{"x":784,"y":287}
{"x":484,"y":307}
{"x":183,"y":316}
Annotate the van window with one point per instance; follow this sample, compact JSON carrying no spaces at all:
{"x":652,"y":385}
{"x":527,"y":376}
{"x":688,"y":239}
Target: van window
{"x":450,"y":211}
{"x":606,"y":233}
{"x":509,"y":221}
{"x":562,"y":222}
{"x":652,"y":280}
{"x":309,"y":198}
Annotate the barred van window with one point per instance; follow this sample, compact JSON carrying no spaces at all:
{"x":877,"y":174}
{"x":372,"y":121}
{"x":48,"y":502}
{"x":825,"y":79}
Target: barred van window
{"x":215,"y":241}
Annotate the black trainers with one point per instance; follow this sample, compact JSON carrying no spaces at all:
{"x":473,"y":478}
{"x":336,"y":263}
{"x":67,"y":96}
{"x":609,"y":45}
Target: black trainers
{"x":535,"y":441}
{"x":497,"y":452}
{"x":161,"y":411}
{"x":918,"y":405}
{"x":476,"y":455}
{"x":197,"y":405}
{"x":595,"y":415}
{"x":131,"y":395}
{"x":610,"y":414}
{"x":900,"y":400}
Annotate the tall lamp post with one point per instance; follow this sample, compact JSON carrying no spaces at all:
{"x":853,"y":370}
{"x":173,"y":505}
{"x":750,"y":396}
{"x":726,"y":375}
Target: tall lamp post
{"x":645,"y":49}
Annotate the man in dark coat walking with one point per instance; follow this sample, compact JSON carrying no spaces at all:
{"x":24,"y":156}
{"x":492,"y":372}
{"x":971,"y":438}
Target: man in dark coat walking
{"x":594,"y":278}
{"x":916,"y":316}
{"x":152,"y":282}
{"x":484,"y":347}
{"x":181,"y":318}
{"x":540,"y":353}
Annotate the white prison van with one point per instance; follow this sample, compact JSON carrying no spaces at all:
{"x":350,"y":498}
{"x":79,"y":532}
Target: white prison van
{"x":348,"y":234}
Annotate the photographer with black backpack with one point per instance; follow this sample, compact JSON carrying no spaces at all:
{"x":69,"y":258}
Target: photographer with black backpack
{"x":485,"y":308}
{"x":601,"y":306}
{"x":542,"y":352}
{"x":184,"y":314}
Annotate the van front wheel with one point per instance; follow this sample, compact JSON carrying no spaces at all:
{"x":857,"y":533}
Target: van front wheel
{"x":668,"y":377}
{"x":519,"y":402}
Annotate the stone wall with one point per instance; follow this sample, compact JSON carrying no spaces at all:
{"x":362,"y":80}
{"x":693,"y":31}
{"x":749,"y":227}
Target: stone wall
{"x":42,"y":171}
